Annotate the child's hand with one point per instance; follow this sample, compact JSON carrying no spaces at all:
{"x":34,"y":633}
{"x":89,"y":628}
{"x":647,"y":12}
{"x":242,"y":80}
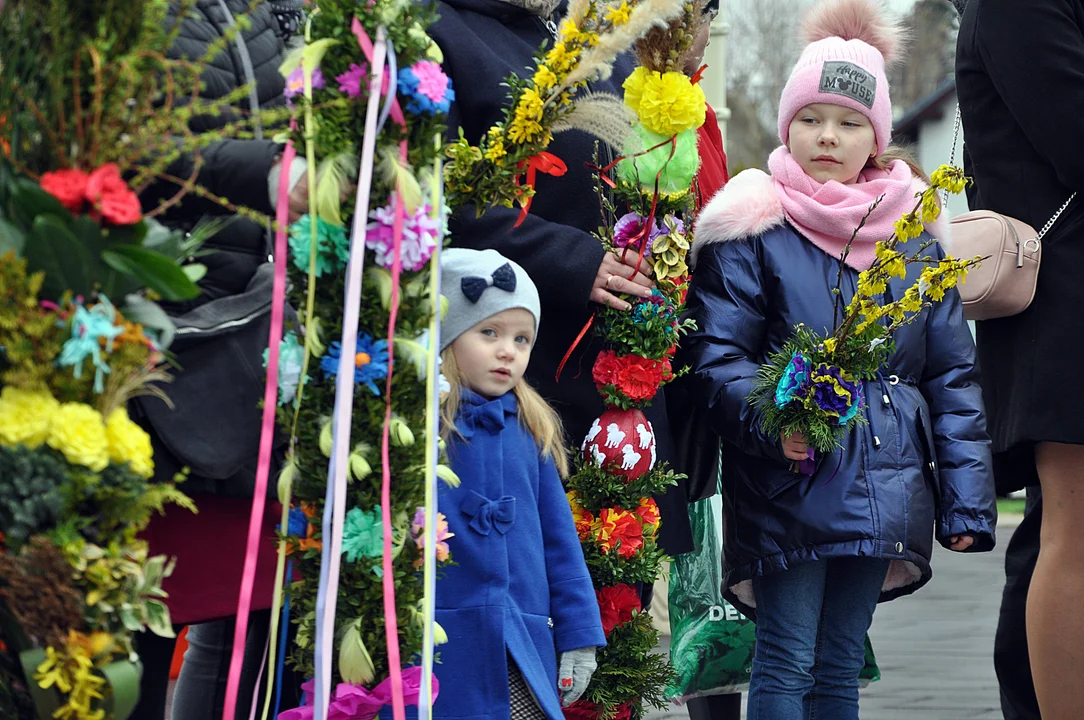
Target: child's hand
{"x":795,"y":447}
{"x":574,"y":675}
{"x":959,"y":543}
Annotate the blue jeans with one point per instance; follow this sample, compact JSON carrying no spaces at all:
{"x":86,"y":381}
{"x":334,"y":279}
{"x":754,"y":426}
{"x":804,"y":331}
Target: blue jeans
{"x":811,"y":627}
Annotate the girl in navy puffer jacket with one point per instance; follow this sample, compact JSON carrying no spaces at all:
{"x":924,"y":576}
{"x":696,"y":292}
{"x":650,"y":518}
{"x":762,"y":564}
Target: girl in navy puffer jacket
{"x":814,"y":555}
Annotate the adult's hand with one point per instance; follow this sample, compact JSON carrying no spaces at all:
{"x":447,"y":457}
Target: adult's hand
{"x":620,"y":276}
{"x":795,"y":447}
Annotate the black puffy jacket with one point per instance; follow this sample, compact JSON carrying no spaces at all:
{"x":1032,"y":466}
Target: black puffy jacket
{"x":233,"y":169}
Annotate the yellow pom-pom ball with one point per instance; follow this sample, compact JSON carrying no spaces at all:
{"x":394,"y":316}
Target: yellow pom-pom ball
{"x":25,"y":416}
{"x":78,"y":431}
{"x":129,"y":443}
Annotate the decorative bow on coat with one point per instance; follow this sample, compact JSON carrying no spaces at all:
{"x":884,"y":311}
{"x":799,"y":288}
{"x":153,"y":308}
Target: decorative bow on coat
{"x":503,"y":278}
{"x":488,"y":514}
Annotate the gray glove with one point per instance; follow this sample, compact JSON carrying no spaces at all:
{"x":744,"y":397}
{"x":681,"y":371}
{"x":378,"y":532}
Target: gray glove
{"x":577,"y":667}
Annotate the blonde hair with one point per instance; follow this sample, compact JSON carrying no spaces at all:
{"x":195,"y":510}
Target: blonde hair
{"x":535,"y":414}
{"x":898,"y":152}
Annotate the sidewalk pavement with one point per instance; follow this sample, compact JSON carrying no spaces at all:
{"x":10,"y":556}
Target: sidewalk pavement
{"x":935,"y":648}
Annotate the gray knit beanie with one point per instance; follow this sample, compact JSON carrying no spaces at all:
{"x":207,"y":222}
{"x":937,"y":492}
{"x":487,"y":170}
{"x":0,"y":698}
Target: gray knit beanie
{"x":479,"y":284}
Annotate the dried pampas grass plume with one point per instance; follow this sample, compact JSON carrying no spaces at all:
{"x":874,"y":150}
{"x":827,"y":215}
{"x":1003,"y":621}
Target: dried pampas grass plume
{"x":865,"y":20}
{"x":603,"y":115}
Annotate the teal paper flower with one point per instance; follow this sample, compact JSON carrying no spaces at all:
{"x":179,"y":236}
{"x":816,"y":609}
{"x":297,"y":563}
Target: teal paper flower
{"x":332,"y":246}
{"x":363,"y":535}
{"x":291,"y":357}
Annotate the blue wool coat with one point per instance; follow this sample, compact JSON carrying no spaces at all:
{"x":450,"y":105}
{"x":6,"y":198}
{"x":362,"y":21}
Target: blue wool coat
{"x":520,"y":586}
{"x":920,"y":467}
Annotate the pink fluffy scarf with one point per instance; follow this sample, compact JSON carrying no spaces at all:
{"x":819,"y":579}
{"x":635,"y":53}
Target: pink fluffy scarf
{"x":826,"y":214}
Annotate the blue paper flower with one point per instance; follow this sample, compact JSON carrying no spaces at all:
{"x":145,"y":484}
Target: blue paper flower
{"x":370,"y":361}
{"x":291,"y":357}
{"x":332,"y":246}
{"x":298,"y":524}
{"x":794,"y":381}
{"x":88,"y":328}
{"x":428,"y":88}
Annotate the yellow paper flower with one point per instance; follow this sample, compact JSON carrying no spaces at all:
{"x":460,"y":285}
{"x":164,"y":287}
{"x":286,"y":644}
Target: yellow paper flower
{"x":666,"y":103}
{"x":78,"y":431}
{"x":129,"y":443}
{"x":25,"y":416}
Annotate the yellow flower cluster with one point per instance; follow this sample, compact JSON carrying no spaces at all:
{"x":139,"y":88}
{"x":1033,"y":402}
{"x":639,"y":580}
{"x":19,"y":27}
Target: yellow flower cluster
{"x":31,"y":418}
{"x":949,"y":178}
{"x":526,"y":126}
{"x":666,"y":103}
{"x":618,"y":15}
{"x":71,"y":671}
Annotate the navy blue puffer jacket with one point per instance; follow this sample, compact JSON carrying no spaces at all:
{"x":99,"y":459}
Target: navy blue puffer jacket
{"x":919,"y":468}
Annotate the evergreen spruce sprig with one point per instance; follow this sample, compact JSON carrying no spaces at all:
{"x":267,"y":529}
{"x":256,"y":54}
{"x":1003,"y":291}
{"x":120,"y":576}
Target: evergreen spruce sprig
{"x":629,"y":671}
{"x":610,"y":568}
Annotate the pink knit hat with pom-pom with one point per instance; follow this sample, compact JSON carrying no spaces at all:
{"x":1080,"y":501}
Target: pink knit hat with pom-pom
{"x":850,"y":42}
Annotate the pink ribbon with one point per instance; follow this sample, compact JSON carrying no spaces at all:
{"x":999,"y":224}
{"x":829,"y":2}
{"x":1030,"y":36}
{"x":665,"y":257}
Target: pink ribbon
{"x":353,"y":702}
{"x":263,"y":467}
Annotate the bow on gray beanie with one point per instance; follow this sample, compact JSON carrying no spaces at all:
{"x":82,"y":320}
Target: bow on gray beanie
{"x":479,"y":284}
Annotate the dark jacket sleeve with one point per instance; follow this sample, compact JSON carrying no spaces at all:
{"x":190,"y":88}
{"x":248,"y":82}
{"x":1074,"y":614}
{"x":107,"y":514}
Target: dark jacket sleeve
{"x":1034,"y":55}
{"x":576,"y":619}
{"x":950,"y":384}
{"x":728,"y":306}
{"x":236,"y":170}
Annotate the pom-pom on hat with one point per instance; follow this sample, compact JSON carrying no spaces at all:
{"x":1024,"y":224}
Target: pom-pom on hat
{"x":479,"y":284}
{"x":850,"y":42}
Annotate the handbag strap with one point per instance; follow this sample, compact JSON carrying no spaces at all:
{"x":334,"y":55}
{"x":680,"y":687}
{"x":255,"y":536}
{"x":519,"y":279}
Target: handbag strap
{"x":952,"y":161}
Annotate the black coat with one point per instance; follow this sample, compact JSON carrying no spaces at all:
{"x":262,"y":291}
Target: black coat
{"x":233,"y":169}
{"x":1020,"y":79}
{"x":484,"y":41}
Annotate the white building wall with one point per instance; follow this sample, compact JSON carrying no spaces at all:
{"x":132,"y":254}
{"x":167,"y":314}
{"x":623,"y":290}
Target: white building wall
{"x":714,"y":80}
{"x":935,"y":144}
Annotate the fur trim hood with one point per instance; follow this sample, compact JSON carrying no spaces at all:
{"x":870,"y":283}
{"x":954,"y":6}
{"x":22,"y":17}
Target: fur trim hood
{"x":748,"y":206}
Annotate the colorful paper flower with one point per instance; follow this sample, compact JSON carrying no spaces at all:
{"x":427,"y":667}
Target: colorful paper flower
{"x":332,"y":246}
{"x":835,"y":392}
{"x":110,"y":195}
{"x":417,"y":529}
{"x":78,"y":432}
{"x":363,"y":534}
{"x":420,"y":234}
{"x":794,"y":382}
{"x":429,"y":89}
{"x":25,"y":416}
{"x":617,"y":604}
{"x":370,"y":361}
{"x":587,"y":710}
{"x":666,"y":103}
{"x":295,"y":83}
{"x":649,"y":515}
{"x":629,"y":227}
{"x":654,"y":306}
{"x":297,"y":523}
{"x":67,"y":186}
{"x":582,"y":517}
{"x":291,"y":358}
{"x":621,"y":529}
{"x":636,"y":377}
{"x":306,"y":534}
{"x":350,"y":81}
{"x":669,"y":250}
{"x":89,"y":329}
{"x":129,"y":443}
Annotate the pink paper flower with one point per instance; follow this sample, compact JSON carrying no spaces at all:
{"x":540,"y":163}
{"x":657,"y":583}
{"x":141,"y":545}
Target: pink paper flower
{"x":420,"y":235}
{"x":295,"y":83}
{"x":417,"y":527}
{"x":350,"y":81}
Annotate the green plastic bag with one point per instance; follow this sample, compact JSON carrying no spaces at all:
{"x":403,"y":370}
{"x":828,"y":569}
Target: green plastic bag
{"x":711,"y":642}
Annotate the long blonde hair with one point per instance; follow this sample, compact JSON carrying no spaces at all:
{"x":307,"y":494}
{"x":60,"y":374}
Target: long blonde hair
{"x":898,"y":152}
{"x":535,"y":414}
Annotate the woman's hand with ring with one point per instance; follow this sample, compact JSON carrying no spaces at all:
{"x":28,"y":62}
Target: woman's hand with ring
{"x":614,"y":277}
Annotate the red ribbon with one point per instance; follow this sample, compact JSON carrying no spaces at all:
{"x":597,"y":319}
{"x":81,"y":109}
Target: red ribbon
{"x":543,"y":162}
{"x":698,"y":74}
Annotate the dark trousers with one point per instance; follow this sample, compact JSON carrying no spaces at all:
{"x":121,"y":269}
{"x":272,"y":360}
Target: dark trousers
{"x":1011,"y":659}
{"x":715,"y":707}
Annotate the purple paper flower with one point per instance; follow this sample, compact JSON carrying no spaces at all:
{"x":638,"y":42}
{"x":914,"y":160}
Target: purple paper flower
{"x":794,"y":383}
{"x":429,"y":89}
{"x":295,"y":83}
{"x":834,"y":393}
{"x":420,"y":236}
{"x":350,"y":81}
{"x":629,"y":228}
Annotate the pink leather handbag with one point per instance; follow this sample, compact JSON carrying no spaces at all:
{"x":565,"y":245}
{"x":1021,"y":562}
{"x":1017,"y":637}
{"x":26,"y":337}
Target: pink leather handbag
{"x":1004,"y":284}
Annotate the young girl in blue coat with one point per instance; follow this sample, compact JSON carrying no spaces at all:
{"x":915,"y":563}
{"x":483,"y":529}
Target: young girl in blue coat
{"x":518,"y":604}
{"x":814,"y":555}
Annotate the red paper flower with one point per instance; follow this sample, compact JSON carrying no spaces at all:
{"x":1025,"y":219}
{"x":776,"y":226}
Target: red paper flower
{"x":621,"y":529}
{"x":605,"y":369}
{"x":111,"y":196}
{"x":648,"y":512}
{"x":616,"y":604}
{"x":585,"y":710}
{"x":67,"y":186}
